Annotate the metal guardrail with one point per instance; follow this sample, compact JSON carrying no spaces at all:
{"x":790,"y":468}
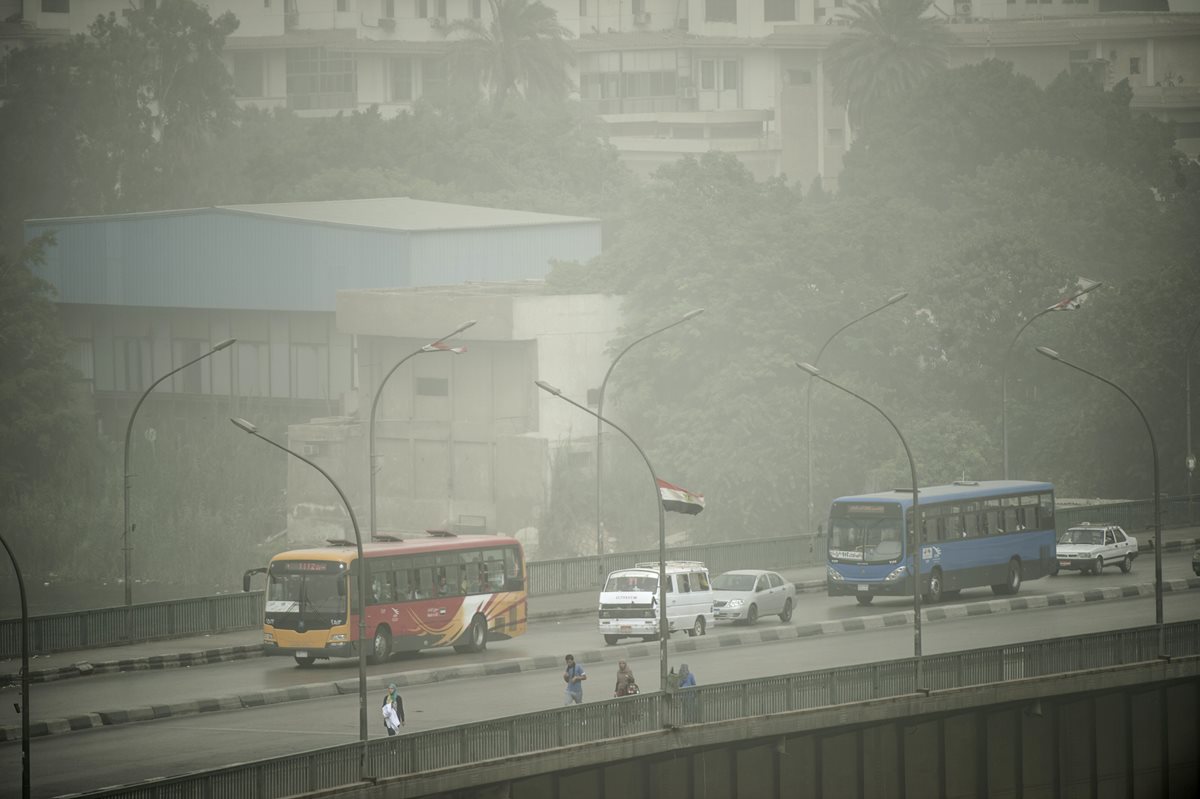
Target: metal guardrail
{"x":61,"y":632}
{"x":466,"y":744}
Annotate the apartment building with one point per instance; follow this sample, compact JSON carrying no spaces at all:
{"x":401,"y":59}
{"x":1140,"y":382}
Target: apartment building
{"x":675,"y":77}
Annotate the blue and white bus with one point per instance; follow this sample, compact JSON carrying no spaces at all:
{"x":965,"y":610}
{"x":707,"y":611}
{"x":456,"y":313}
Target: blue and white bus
{"x":997,"y":533}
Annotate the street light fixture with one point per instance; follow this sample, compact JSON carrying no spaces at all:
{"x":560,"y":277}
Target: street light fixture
{"x":892,"y":300}
{"x":1065,"y":304}
{"x":128,"y":433}
{"x":436,"y":346}
{"x":600,"y":411}
{"x":663,"y":631}
{"x":1190,"y":461}
{"x":26,"y":764}
{"x":1158,"y":591}
{"x":916,"y":514}
{"x":360,"y":591}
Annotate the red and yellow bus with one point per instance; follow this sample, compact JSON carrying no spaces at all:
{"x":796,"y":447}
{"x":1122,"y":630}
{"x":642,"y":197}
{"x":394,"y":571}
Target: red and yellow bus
{"x":424,"y":590}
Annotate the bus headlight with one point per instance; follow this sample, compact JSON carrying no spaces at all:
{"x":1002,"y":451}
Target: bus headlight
{"x":268,"y":638}
{"x":338,"y":637}
{"x":833,"y":574}
{"x":896,"y":574}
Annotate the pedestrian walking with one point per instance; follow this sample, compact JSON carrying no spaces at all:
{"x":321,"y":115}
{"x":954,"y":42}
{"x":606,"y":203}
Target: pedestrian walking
{"x":625,"y":680}
{"x":573,"y":676}
{"x":393,"y":710}
{"x":688,"y":680}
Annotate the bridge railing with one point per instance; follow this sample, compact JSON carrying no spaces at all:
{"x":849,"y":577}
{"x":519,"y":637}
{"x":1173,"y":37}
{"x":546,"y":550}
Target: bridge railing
{"x":61,"y":632}
{"x":465,"y":744}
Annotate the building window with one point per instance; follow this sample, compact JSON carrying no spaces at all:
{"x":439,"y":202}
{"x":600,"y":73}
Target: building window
{"x":194,"y":379}
{"x":476,"y":9}
{"x":320,"y":78}
{"x":639,"y":7}
{"x":402,"y":80}
{"x":131,"y":364}
{"x":248,"y":74}
{"x":440,"y":8}
{"x":56,"y":6}
{"x":253,"y":368}
{"x":720,"y":10}
{"x":309,"y":373}
{"x":389,"y":9}
{"x":583,"y":8}
{"x":433,"y":387}
{"x":1135,"y":66}
{"x":433,"y":78}
{"x":81,"y":357}
{"x":779,"y":11}
{"x":799,"y":77}
{"x":423,"y":9}
{"x":343,"y":5}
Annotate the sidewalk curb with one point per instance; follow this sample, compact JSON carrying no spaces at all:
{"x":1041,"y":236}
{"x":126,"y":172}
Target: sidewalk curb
{"x":762,"y":635}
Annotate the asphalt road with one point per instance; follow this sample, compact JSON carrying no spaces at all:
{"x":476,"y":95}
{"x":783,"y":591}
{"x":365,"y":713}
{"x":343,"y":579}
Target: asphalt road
{"x":91,"y":759}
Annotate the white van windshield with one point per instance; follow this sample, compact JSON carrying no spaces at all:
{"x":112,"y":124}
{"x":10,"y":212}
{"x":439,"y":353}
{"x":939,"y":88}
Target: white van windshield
{"x":627,"y":583}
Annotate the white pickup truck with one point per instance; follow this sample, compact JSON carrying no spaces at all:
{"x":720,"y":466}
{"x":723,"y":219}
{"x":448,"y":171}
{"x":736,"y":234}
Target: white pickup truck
{"x":1090,"y":547}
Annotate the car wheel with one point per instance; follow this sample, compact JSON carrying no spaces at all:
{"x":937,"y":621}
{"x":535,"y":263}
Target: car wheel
{"x":786,"y":616}
{"x":697,"y":628}
{"x":1054,"y":568}
{"x":864,"y":599}
{"x":1098,"y":566}
{"x":305,"y":662}
{"x":611,"y":640}
{"x":381,"y":646}
{"x":935,"y":587}
{"x":1126,"y":565}
{"x":752,"y":615}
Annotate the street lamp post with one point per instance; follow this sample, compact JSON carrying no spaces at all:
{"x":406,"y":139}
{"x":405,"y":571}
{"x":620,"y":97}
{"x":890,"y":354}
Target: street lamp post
{"x":916,"y":514}
{"x":1190,"y":461}
{"x":1066,"y":303}
{"x":128,"y":433}
{"x":436,"y":346}
{"x":663,"y":631}
{"x":360,"y":590}
{"x":600,"y":411}
{"x":895,"y":298}
{"x":26,"y":764}
{"x":1158,"y":591}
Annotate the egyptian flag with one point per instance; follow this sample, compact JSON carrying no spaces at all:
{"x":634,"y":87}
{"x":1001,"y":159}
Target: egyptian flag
{"x":1075,"y":301}
{"x":679,"y":499}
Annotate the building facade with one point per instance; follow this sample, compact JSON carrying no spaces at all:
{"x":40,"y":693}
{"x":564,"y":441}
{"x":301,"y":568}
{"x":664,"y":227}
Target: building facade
{"x":675,"y":77}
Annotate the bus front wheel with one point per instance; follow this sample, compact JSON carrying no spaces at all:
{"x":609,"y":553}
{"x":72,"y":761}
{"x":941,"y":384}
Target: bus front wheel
{"x":305,"y":662}
{"x":864,"y":599}
{"x":935,"y":587}
{"x":381,"y":646}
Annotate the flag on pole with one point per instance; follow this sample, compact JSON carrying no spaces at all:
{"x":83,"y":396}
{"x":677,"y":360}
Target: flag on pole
{"x":679,"y":499}
{"x":442,"y":346}
{"x":1074,"y":301}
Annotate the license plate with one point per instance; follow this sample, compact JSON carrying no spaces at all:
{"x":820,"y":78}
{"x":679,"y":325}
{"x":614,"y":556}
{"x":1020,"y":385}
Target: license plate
{"x":626,"y":628}
{"x":864,"y":587}
{"x":1064,"y":563}
{"x":303,"y":653}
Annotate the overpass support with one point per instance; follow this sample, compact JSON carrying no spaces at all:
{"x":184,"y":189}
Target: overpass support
{"x":1129,"y":731}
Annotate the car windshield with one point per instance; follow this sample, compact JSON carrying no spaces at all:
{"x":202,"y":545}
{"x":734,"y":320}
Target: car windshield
{"x":1082,"y":537}
{"x":631,"y":582}
{"x":734,"y":582}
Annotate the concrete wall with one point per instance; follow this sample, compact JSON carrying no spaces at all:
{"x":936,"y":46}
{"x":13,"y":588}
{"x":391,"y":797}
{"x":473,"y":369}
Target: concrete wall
{"x":1126,"y":732}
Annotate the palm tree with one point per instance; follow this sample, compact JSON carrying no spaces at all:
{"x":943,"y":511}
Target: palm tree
{"x":523,"y":50}
{"x":890,"y":48}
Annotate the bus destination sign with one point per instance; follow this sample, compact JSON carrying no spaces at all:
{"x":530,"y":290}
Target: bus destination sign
{"x":871,"y":509}
{"x":310,"y":566}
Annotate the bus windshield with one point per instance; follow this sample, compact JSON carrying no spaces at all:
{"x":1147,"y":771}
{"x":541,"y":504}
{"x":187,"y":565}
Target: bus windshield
{"x":865,"y":539}
{"x":323,"y":593}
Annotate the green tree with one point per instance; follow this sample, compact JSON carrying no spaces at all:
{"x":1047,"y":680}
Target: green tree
{"x":523,"y":50}
{"x":890,"y":48}
{"x":115,"y":120}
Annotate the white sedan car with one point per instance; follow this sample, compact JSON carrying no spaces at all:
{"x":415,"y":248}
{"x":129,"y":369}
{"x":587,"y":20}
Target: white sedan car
{"x":745,"y":594}
{"x":1090,"y":547}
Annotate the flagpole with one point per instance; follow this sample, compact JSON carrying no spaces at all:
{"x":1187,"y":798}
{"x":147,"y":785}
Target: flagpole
{"x":663,"y":632}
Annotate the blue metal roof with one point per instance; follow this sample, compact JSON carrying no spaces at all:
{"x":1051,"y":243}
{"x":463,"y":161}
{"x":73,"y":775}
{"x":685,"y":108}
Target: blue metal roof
{"x":948,"y":493}
{"x":296,"y":256}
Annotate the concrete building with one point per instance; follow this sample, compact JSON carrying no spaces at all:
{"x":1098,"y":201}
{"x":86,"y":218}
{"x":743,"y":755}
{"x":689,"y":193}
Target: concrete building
{"x":675,"y":77}
{"x":142,"y":293}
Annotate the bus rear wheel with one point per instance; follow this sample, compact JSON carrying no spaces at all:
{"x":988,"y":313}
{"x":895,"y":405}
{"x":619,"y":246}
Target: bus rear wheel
{"x":611,"y":640}
{"x":476,"y":637}
{"x":381,"y":646}
{"x":1013,"y":584}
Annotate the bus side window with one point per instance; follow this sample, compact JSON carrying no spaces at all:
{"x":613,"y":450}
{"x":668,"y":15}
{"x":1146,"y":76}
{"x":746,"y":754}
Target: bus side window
{"x":970,"y":525}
